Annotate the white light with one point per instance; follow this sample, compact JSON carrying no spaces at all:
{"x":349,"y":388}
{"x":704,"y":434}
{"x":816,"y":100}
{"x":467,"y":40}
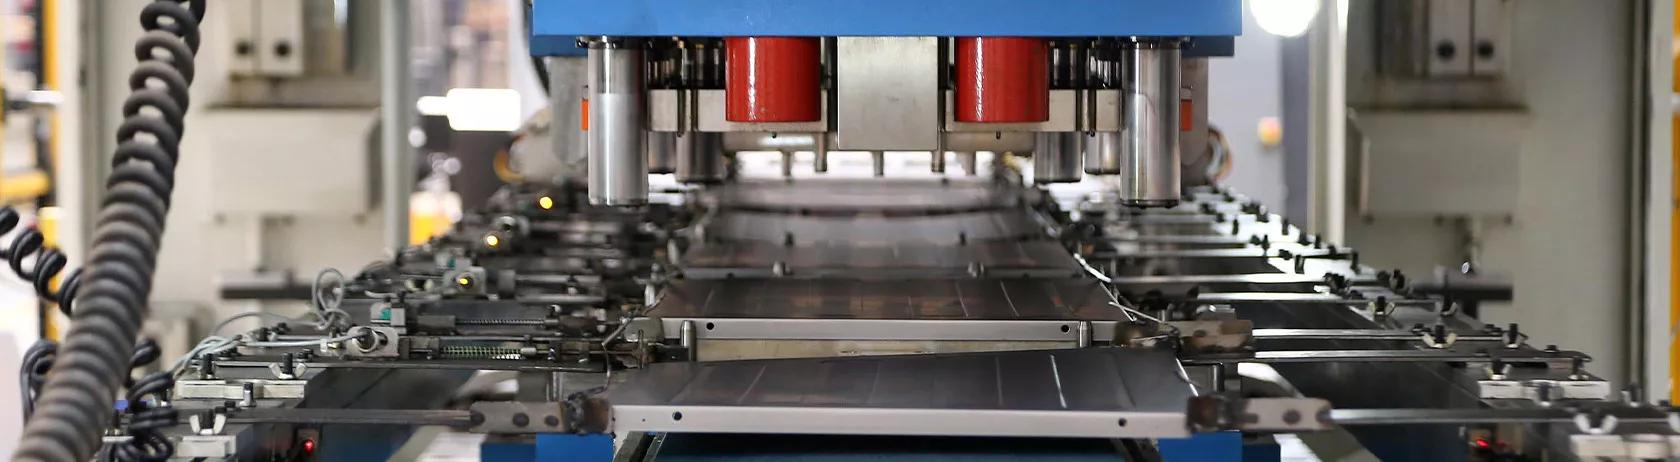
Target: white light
{"x":1288,"y":18}
{"x":432,"y":106}
{"x":482,"y":109}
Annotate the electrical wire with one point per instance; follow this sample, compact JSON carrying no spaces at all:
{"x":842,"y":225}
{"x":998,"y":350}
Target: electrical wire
{"x":215,"y":344}
{"x":75,"y":403}
{"x":1114,"y":298}
{"x":326,"y":303}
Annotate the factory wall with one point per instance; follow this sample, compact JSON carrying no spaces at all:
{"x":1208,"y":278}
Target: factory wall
{"x":1565,"y":240}
{"x":1242,"y":90}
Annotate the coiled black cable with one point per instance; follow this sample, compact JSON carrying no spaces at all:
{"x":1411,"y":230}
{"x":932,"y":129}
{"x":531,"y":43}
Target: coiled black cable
{"x":30,"y":244}
{"x":148,"y":412}
{"x":33,"y":372}
{"x":75,"y":402}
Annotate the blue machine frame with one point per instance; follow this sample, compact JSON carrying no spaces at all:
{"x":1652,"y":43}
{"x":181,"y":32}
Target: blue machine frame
{"x":555,"y":24}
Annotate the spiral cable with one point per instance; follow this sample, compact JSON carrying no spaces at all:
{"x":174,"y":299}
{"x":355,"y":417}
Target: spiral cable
{"x":33,"y":373}
{"x":148,"y":412}
{"x":75,"y":402}
{"x":49,"y":262}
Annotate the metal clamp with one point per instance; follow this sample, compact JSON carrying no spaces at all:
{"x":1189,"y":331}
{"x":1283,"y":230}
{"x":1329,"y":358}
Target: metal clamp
{"x":218,"y":420}
{"x":1439,"y":337}
{"x":1584,"y":422}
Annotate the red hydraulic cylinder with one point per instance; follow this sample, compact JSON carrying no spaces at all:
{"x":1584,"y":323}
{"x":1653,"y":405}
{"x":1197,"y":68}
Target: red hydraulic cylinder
{"x":773,"y":79}
{"x":1002,"y":80}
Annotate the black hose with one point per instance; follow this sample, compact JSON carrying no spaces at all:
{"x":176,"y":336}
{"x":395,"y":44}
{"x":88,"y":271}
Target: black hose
{"x":75,"y":403}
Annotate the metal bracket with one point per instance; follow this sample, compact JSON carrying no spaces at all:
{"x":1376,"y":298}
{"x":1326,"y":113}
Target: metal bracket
{"x":513,"y":417}
{"x":234,"y":389}
{"x":1531,"y":389}
{"x":382,"y":342}
{"x":210,"y":447}
{"x":1201,"y":336}
{"x":1218,"y":413}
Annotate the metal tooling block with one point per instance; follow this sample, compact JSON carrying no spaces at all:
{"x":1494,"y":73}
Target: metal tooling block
{"x":718,"y":260}
{"x":953,"y":309}
{"x":1091,"y":392}
{"x":871,"y":231}
{"x":877,"y":196}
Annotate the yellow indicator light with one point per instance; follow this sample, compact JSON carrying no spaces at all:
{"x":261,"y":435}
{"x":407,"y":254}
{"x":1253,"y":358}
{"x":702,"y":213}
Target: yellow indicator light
{"x":545,"y":202}
{"x":463,"y":281}
{"x":491,"y":240}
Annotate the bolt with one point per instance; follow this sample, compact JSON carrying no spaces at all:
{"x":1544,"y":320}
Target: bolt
{"x":1446,"y":50}
{"x":1484,"y":49}
{"x":288,"y":363}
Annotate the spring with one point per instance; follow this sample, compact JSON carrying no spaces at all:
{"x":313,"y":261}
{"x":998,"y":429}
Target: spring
{"x":74,"y":406}
{"x":500,"y":322}
{"x":49,"y":262}
{"x":481,"y":352}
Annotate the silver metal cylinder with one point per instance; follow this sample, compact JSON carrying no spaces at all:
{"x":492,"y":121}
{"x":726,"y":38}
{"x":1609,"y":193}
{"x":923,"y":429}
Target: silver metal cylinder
{"x":1150,"y":165}
{"x":938,"y":162}
{"x":1056,"y":158}
{"x":878,"y":160}
{"x":396,"y":112}
{"x":819,"y":154}
{"x":661,"y":152}
{"x":1104,"y":153}
{"x":688,"y":338}
{"x":970,"y":162}
{"x":699,"y":157}
{"x":617,"y":160}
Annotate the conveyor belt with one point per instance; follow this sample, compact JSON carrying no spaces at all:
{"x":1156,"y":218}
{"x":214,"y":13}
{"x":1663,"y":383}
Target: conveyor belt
{"x":1091,"y":392}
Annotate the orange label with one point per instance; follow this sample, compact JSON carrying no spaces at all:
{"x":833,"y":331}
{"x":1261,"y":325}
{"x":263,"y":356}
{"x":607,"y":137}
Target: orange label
{"x":1186,"y":115}
{"x":583,"y":118}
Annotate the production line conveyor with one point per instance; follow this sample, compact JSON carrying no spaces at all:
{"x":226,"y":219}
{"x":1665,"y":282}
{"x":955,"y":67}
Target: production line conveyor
{"x":834,"y":310}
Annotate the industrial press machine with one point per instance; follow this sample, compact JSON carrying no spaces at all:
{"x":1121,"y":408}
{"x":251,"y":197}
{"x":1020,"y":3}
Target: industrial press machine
{"x":1137,"y":312}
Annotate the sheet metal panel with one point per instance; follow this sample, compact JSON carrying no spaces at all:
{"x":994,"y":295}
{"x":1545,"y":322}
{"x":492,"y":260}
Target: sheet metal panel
{"x":1092,"y":392}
